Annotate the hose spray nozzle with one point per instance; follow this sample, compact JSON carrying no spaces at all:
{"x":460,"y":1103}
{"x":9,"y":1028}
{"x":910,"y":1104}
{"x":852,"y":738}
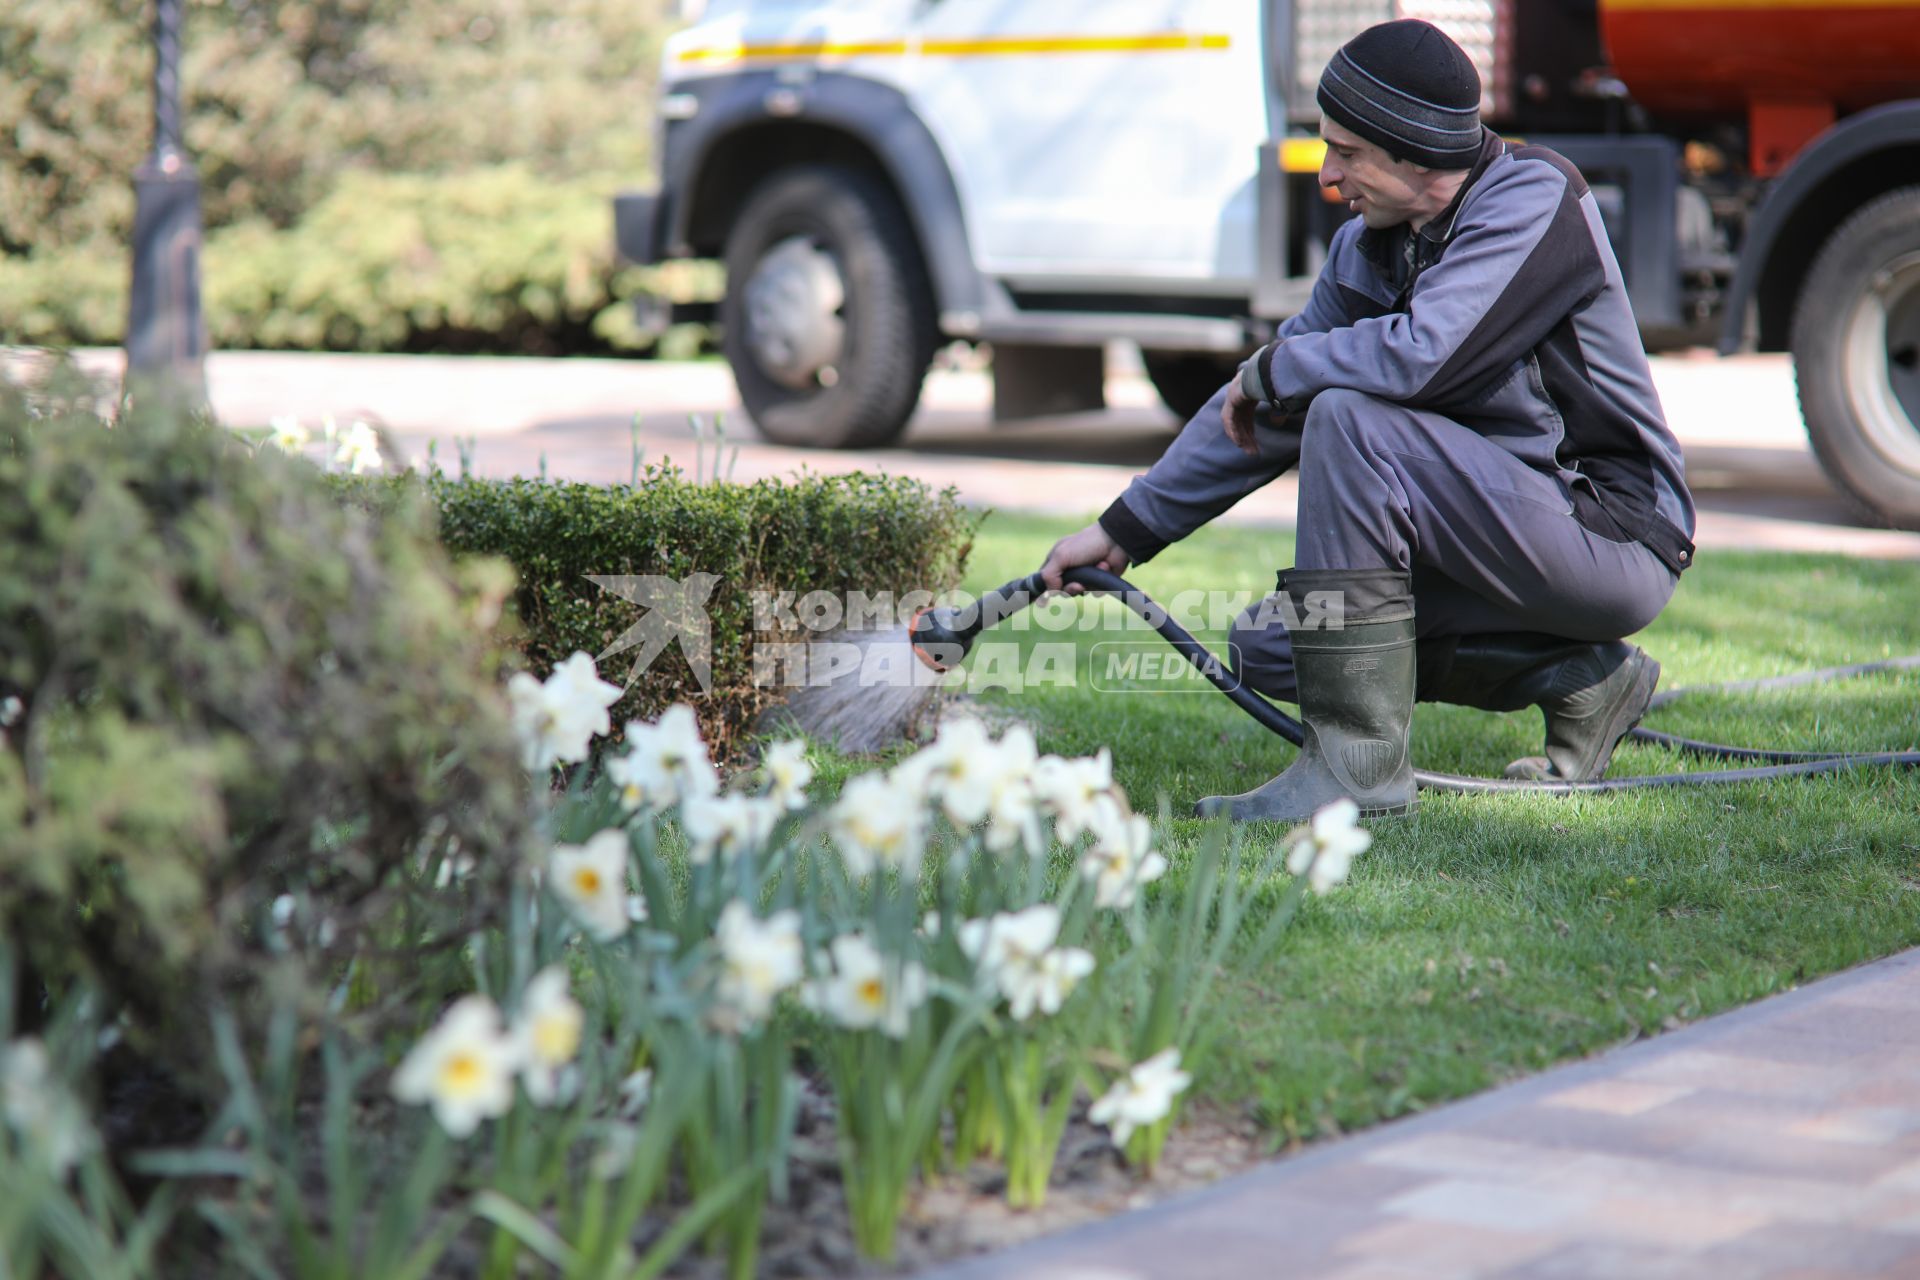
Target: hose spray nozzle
{"x":941,"y":635}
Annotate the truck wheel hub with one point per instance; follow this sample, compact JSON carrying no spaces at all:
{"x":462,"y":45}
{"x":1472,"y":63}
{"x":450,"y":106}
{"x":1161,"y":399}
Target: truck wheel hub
{"x":793,"y":303}
{"x":1883,"y":350}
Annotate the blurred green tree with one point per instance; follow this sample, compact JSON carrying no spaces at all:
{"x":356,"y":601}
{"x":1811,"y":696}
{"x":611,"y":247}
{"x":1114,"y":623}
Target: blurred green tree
{"x":283,"y":97}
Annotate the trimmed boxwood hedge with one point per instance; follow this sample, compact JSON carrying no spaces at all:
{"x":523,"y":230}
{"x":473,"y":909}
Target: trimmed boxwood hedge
{"x":838,"y":534}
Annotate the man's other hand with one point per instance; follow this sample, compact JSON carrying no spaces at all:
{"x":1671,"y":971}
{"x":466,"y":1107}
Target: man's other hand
{"x":1236,"y":415}
{"x":1089,"y":546}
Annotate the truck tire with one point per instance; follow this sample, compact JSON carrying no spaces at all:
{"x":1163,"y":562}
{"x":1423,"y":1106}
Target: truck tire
{"x":827,"y":319}
{"x":1186,"y":380}
{"x":1856,"y":357}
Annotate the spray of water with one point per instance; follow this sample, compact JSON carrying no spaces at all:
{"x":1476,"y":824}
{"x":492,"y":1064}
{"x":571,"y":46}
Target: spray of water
{"x":870,"y":705}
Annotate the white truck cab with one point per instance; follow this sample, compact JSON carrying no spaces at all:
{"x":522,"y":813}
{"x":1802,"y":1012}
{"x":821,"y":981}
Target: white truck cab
{"x":881,"y":176}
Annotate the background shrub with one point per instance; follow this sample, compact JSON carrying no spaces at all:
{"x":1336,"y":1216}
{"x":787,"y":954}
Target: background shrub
{"x":835,"y":534}
{"x":509,"y":122}
{"x":229,"y":688}
{"x":498,"y":259}
{"x":284,"y":97}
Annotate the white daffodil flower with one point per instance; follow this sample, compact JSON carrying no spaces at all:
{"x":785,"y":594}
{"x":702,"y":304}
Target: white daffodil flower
{"x":591,"y":879}
{"x":973,"y":779}
{"x":581,"y":698}
{"x":1122,"y":856}
{"x":914,"y":776}
{"x":359,"y":449}
{"x":640,"y":782}
{"x":867,"y":989}
{"x":1141,"y":1097}
{"x":1013,"y":819}
{"x":972,"y":937}
{"x":288,"y":435}
{"x":961,"y":769}
{"x":758,"y":960}
{"x":1041,"y":984}
{"x":788,"y":773}
{"x":728,"y":825}
{"x":556,"y":719}
{"x":1013,"y":812}
{"x":1013,"y":937}
{"x":1014,"y":953}
{"x":548,"y":1033}
{"x":1018,"y":755}
{"x":876,"y":823}
{"x":666,"y":761}
{"x":1070,"y":788}
{"x":1324,"y":849}
{"x":635,"y":1092}
{"x":49,"y":1119}
{"x":463,"y":1068}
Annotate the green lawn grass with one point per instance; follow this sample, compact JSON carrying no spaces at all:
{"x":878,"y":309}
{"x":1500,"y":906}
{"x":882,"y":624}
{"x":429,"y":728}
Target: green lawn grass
{"x":1486,"y":937}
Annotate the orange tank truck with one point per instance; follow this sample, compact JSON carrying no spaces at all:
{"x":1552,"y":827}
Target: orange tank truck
{"x":1791,"y":69}
{"x":1783,"y":139}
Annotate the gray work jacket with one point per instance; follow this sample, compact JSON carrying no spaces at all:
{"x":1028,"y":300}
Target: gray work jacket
{"x":1509,"y":316}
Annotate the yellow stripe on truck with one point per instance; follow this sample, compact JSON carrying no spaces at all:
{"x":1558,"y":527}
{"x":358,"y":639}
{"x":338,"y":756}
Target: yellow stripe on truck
{"x":996,"y":47}
{"x":1301,"y":155}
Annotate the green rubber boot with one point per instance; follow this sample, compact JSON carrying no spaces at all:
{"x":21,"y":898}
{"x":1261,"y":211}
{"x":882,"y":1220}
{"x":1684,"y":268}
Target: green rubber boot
{"x":1356,"y":704}
{"x":1591,"y":694}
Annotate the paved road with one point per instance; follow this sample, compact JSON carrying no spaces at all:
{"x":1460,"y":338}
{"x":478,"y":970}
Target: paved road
{"x":1777,"y":1142}
{"x":1755,"y":481}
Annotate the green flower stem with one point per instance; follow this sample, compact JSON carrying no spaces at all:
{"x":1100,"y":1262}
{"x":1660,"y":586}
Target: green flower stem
{"x":1149,"y":1141}
{"x":978,"y":1131}
{"x":509,"y":1182}
{"x":746,"y":1117}
{"x":891,"y":1095}
{"x":867,"y":1093}
{"x":675,"y":1095}
{"x":590,"y":1220}
{"x":1035,"y":1096}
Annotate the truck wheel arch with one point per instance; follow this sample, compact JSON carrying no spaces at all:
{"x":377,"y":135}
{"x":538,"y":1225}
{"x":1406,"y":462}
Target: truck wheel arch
{"x":832,"y":118}
{"x":1859,"y":159}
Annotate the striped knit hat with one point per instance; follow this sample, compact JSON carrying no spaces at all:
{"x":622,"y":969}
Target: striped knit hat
{"x":1407,"y":87}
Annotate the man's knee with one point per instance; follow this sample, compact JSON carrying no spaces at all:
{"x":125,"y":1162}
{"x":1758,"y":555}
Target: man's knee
{"x":1346,"y":411}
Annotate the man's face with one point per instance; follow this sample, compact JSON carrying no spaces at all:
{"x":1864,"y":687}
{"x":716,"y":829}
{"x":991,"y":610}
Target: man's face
{"x":1385,"y":192}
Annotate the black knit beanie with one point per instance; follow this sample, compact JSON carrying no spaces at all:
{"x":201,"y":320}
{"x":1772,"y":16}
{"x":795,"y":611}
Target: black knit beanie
{"x":1407,"y":87}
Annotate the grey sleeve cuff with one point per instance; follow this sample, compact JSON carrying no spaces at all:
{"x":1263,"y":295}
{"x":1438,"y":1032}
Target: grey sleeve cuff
{"x":1256,"y":375}
{"x":1139,"y":542}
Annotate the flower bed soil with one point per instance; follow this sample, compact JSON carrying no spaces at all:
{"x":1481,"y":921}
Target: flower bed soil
{"x":966,"y":1213}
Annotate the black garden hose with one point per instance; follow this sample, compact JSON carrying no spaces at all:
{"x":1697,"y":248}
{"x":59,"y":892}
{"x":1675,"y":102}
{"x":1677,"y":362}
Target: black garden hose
{"x":941,"y":638}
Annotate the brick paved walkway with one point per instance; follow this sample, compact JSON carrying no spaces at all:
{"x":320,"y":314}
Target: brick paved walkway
{"x":1777,"y":1142}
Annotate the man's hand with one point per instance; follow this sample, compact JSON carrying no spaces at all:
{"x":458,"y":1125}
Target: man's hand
{"x":1089,"y":546}
{"x":1236,"y":415}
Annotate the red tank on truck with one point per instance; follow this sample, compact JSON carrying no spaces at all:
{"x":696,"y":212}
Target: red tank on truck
{"x":881,"y":177}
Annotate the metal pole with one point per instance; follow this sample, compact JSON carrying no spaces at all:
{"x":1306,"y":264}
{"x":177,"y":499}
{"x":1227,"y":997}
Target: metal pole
{"x":166,"y":332}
